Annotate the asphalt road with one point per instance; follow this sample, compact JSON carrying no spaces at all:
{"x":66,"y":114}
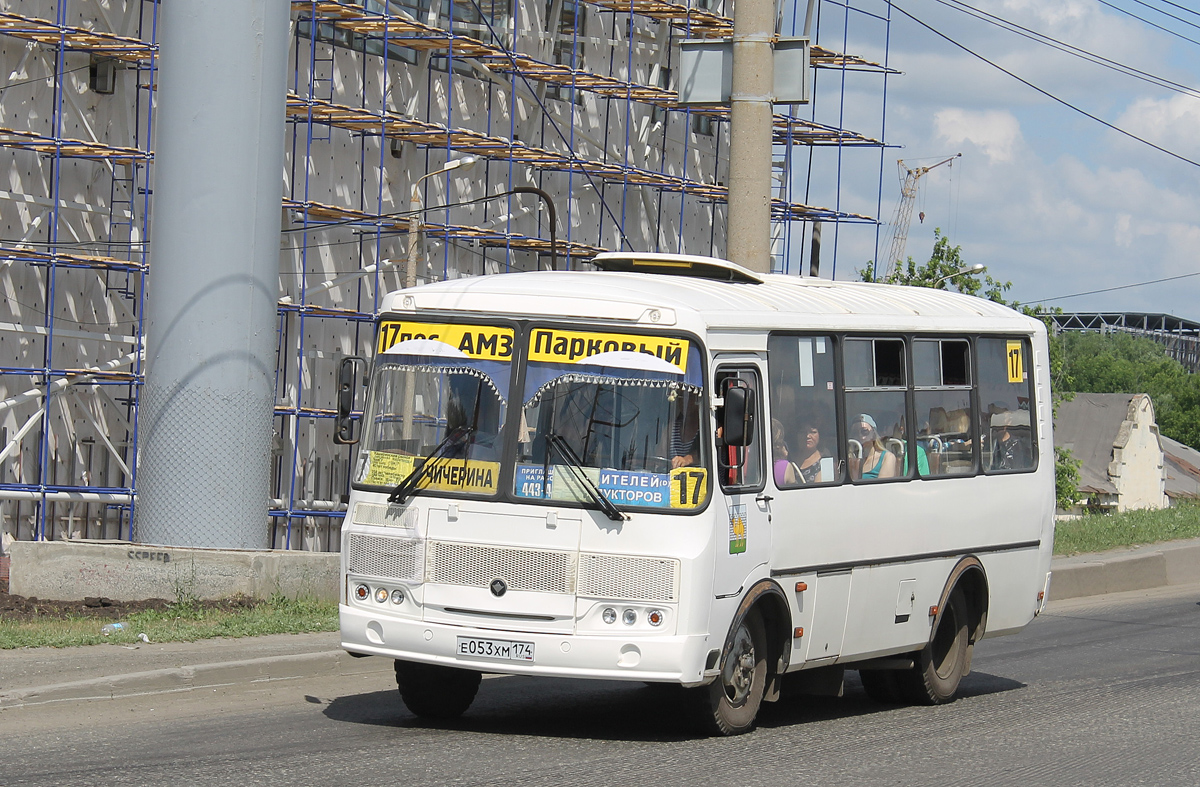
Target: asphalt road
{"x":1099,"y":691}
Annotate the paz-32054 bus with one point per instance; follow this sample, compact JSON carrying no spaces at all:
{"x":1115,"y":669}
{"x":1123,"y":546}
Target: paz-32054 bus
{"x":674,"y":470}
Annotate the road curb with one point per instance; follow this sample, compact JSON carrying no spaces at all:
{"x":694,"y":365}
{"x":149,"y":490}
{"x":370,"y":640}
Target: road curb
{"x":201,"y":676}
{"x":1135,"y":569}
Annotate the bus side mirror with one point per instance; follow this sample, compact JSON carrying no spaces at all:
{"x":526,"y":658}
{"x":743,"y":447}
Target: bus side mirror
{"x":738,"y":425}
{"x":343,"y":430}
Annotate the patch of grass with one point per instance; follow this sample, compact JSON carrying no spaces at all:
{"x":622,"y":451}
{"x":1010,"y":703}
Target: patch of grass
{"x":1100,"y":532}
{"x":184,"y":621}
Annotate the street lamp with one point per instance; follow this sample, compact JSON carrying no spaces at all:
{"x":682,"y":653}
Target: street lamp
{"x":414,"y":208}
{"x":976,"y":268}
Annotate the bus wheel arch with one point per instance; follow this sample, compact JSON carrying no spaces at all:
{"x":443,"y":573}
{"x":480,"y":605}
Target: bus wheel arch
{"x":756,"y":650}
{"x":958,"y":621}
{"x":970,"y":577}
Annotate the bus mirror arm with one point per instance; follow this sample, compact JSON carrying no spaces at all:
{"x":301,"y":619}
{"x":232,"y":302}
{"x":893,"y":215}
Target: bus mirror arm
{"x":347,"y":393}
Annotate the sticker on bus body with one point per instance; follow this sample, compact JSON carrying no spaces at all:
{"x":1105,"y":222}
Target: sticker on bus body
{"x":737,"y":529}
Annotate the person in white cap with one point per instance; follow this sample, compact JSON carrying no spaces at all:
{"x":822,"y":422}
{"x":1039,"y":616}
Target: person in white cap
{"x":877,"y":461}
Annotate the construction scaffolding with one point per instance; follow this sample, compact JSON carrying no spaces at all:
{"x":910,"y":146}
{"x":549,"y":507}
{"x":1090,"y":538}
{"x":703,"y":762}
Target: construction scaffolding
{"x":473,"y":122}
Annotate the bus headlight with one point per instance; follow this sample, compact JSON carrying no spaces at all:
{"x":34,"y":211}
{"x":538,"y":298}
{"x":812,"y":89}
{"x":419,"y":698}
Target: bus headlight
{"x":397,"y":596}
{"x":362,"y":592}
{"x":381,"y":595}
{"x":609,"y":615}
{"x":629,"y":617}
{"x":654,"y":617}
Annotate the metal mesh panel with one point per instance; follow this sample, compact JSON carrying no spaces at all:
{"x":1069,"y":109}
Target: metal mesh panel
{"x":189,"y":433}
{"x":523,"y":569}
{"x":385,"y":516}
{"x":628,"y":578}
{"x":377,"y":556}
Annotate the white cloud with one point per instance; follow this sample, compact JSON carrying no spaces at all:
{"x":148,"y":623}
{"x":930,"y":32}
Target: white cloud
{"x":1171,"y":123}
{"x":996,"y":132}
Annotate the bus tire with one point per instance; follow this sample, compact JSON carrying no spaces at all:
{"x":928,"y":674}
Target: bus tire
{"x":734,"y":697}
{"x":941,"y":664}
{"x":436,"y":692}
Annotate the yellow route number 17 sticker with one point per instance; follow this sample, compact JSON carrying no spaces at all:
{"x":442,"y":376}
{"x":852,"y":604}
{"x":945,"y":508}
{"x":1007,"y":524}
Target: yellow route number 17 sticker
{"x":1016,"y":362}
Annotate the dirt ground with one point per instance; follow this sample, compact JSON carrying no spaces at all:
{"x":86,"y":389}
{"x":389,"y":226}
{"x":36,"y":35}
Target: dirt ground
{"x":23,"y":610}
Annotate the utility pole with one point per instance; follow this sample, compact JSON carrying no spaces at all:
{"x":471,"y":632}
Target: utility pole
{"x":207,"y":407}
{"x":748,"y":226}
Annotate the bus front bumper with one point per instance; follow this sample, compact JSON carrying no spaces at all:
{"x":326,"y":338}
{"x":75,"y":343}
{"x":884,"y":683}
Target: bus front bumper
{"x":666,"y":659}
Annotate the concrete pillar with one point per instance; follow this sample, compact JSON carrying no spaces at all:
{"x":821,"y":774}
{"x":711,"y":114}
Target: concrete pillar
{"x":206,"y":409}
{"x":748,"y":230}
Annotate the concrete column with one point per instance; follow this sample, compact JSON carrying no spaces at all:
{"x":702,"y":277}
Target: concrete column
{"x":748,"y":229}
{"x":206,"y":409}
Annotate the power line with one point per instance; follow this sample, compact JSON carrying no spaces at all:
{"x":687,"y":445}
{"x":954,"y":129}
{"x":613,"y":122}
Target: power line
{"x":1143,"y":20}
{"x":1069,"y":49}
{"x":1164,"y":13}
{"x":1045,"y":92}
{"x":1120,"y":287}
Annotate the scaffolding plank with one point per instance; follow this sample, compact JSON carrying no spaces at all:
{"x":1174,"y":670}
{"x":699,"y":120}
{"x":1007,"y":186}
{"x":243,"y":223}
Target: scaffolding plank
{"x":490,"y":238}
{"x":49,"y":33}
{"x":396,"y":126}
{"x":69,"y":260}
{"x":70,"y":148}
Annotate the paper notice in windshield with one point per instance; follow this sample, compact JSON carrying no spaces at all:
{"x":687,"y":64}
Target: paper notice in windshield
{"x":448,"y":475}
{"x":556,"y":346}
{"x":683,"y":488}
{"x":485,"y":342}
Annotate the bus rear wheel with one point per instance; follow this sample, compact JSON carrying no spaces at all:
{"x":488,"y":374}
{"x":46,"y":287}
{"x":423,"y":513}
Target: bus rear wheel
{"x":436,"y":692}
{"x":734,"y":697}
{"x":940,"y":666}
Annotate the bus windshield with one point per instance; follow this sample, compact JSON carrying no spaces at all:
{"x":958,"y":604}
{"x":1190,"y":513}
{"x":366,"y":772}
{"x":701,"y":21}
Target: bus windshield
{"x":628,"y":419}
{"x":427,"y":397}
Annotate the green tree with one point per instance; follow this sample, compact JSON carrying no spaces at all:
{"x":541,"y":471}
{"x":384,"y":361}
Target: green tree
{"x":946,"y":260}
{"x":1122,"y":363}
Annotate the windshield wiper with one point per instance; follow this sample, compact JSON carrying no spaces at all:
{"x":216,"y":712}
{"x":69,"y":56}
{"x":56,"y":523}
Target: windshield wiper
{"x":408,"y":487}
{"x":569,"y":456}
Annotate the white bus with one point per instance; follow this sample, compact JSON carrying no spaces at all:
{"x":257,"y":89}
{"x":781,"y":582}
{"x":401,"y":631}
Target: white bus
{"x":674,"y":470}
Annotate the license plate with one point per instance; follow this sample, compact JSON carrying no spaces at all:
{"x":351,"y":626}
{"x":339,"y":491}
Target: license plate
{"x":495,"y":649}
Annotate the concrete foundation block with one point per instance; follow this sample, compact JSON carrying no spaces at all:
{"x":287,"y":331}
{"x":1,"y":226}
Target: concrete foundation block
{"x":72,"y":571}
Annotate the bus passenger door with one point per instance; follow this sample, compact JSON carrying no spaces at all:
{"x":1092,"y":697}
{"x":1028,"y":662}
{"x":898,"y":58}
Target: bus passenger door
{"x":740,"y":472}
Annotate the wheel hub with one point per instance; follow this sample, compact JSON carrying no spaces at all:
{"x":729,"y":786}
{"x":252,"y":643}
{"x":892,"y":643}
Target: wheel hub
{"x":737,"y":675}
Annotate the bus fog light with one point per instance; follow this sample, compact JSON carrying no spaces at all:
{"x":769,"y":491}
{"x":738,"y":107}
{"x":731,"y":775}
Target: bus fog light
{"x":381,"y":595}
{"x":362,"y":592}
{"x":397,"y":596}
{"x":609,"y":615}
{"x":654,"y":617}
{"x":629,"y":617}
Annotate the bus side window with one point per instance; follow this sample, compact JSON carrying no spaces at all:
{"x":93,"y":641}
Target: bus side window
{"x":803,"y":417}
{"x":876,"y":379}
{"x":1005,"y":404}
{"x":942,"y":378}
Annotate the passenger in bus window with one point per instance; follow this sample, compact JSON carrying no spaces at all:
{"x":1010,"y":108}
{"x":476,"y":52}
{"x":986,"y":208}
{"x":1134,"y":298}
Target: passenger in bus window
{"x":786,"y":472}
{"x":810,"y":460}
{"x":1011,"y":448}
{"x":877,"y":461}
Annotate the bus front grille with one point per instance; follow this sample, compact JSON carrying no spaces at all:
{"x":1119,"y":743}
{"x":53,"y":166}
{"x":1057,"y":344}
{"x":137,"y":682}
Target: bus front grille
{"x":541,"y":570}
{"x":391,"y":558}
{"x":628,"y":578}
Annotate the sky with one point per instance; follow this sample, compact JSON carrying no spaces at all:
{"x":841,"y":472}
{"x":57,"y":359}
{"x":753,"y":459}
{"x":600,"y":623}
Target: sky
{"x":1045,"y":197}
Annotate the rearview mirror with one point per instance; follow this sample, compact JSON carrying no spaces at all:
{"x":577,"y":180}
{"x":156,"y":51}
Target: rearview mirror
{"x":343,"y":431}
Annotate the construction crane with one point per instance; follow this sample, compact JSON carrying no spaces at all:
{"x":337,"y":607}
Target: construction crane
{"x":903,"y":216}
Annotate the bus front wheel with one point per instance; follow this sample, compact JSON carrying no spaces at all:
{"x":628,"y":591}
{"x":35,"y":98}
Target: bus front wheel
{"x":940,"y":666}
{"x":734,"y":697}
{"x":436,"y":692}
